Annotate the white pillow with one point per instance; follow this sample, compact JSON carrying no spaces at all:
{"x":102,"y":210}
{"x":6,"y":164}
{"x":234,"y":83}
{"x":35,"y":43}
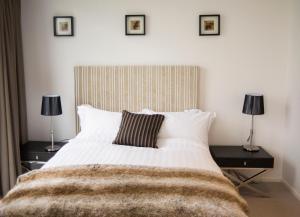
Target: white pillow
{"x":192,"y":124}
{"x":81,"y":111}
{"x":96,"y":123}
{"x":212,"y":115}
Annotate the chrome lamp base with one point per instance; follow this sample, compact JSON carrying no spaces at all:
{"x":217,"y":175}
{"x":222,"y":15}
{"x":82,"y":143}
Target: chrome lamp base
{"x":52,"y":148}
{"x":251,"y":148}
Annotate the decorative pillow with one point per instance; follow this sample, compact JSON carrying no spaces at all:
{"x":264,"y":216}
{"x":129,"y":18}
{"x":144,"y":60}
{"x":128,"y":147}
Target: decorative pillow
{"x":139,"y":129}
{"x":192,"y":124}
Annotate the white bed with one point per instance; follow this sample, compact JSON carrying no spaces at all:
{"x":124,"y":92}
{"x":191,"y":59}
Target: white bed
{"x":114,"y":88}
{"x":173,"y":153}
{"x":90,"y":176}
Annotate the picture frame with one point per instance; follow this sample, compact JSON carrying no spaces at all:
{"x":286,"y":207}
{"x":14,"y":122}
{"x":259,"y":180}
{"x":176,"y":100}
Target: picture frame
{"x":63,"y":26}
{"x":135,"y":24}
{"x":209,"y":24}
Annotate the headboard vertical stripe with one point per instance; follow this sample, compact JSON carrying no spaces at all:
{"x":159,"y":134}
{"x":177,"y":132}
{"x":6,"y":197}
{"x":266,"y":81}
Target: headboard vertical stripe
{"x":158,"y":87}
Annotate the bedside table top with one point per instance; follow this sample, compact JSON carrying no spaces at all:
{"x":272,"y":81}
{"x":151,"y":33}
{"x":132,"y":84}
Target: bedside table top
{"x":236,"y":156}
{"x":220,"y":151}
{"x":39,"y":146}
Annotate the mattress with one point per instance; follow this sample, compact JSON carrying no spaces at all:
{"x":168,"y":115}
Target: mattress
{"x":172,"y":153}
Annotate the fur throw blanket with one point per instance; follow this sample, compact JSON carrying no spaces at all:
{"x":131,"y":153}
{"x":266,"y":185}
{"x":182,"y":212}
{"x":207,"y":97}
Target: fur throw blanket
{"x":122,"y":191}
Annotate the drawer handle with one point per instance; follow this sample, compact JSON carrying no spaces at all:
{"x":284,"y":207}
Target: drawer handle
{"x":245,"y":163}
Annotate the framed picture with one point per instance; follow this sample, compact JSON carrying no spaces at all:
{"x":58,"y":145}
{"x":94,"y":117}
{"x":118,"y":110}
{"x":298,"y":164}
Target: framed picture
{"x":209,"y":24}
{"x":135,"y":24}
{"x":63,"y":26}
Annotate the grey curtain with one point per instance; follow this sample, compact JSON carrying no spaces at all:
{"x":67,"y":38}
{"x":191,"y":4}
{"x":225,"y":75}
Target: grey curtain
{"x":13,"y":121}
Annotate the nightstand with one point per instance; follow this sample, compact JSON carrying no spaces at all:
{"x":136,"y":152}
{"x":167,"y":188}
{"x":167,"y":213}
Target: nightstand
{"x":34,"y":156}
{"x":233,"y":159}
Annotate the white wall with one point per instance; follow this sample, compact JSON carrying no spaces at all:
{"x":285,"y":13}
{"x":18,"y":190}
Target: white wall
{"x":291,"y":163}
{"x":249,"y":56}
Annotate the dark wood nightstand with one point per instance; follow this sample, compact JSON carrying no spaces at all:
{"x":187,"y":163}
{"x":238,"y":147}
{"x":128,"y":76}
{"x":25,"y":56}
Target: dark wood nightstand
{"x":232,"y":159}
{"x":34,"y":155}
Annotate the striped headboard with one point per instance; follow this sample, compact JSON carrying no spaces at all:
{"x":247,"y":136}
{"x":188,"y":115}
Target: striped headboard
{"x":114,"y":88}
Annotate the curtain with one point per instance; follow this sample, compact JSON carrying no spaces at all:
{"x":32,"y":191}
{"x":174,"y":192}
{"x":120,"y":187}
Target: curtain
{"x":13,"y":123}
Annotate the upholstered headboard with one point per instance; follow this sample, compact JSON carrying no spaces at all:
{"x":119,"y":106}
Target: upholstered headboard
{"x":115,"y":88}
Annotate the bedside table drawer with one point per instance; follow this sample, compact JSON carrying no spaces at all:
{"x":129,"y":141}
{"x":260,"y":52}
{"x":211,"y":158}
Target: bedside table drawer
{"x":31,"y":165}
{"x":37,"y":156}
{"x":237,"y":157}
{"x":246,"y":163}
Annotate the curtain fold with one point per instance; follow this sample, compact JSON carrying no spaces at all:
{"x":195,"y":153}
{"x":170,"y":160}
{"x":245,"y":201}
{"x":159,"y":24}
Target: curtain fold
{"x":13,"y":122}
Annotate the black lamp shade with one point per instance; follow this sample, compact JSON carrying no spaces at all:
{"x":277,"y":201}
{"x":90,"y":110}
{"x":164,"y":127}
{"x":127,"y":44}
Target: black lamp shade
{"x":51,"y":105}
{"x":253,"y":104}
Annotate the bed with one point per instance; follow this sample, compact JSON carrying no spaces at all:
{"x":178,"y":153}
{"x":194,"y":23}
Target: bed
{"x":90,"y":176}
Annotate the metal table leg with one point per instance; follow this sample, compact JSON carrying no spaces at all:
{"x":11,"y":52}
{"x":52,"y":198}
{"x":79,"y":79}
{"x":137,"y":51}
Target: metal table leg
{"x":245,"y":183}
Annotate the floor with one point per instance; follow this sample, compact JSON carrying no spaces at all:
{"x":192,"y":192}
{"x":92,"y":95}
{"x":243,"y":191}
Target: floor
{"x":281,"y":202}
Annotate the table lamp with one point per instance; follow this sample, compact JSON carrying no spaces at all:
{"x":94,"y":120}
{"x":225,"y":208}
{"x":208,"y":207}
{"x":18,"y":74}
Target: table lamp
{"x":253,"y":105}
{"x":51,"y":106}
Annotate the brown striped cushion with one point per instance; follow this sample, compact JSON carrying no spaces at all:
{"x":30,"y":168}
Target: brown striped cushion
{"x":139,"y":129}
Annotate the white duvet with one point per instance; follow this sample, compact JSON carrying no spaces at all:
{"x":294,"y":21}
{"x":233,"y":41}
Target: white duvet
{"x":178,"y":153}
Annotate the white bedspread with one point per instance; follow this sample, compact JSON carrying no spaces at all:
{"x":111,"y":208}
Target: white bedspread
{"x":171,"y":153}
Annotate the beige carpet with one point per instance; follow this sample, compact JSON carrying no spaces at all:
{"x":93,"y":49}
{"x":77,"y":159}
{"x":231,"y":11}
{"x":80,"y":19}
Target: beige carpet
{"x":281,"y":202}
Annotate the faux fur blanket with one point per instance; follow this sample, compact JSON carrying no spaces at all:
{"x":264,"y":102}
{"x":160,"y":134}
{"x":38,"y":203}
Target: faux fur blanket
{"x":122,"y":191}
